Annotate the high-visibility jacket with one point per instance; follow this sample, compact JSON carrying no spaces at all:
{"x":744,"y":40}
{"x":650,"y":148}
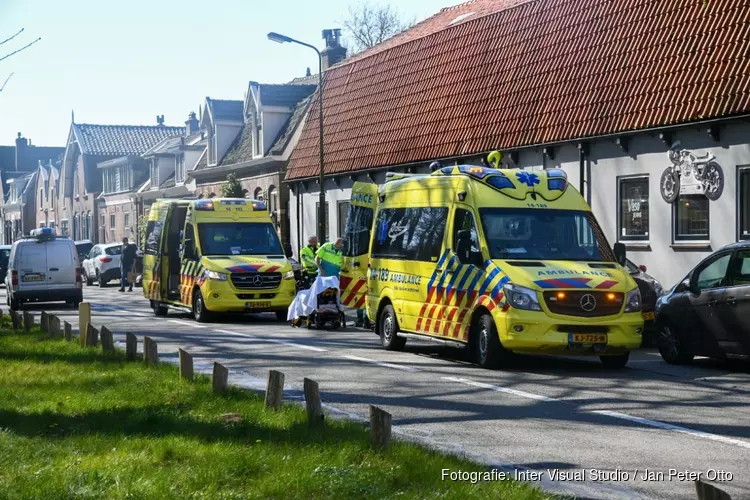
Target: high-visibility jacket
{"x":308,"y":259}
{"x":330,"y":259}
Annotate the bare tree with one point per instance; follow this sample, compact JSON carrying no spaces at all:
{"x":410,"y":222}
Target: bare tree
{"x":368,"y":25}
{"x":2,"y":58}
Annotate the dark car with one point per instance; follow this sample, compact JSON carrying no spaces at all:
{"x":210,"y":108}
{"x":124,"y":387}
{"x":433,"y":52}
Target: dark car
{"x":651,"y":290}
{"x":4,"y":257}
{"x":83,"y":247}
{"x":708,"y":313}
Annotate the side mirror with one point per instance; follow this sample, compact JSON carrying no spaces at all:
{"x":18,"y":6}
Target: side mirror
{"x":620,"y":253}
{"x":693,"y":287}
{"x":288,"y":250}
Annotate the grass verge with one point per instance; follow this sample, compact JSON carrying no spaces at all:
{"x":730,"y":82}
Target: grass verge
{"x":77,"y":424}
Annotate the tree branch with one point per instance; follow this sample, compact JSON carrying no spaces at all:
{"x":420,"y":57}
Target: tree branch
{"x":19,"y":50}
{"x":11,"y":38}
{"x":6,"y":82}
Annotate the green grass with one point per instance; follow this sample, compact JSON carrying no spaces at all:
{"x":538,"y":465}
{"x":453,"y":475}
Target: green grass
{"x":77,"y":424}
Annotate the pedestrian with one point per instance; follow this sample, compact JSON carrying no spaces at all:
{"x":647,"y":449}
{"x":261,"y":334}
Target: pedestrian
{"x":307,"y":255}
{"x":328,"y":258}
{"x":127,"y":263}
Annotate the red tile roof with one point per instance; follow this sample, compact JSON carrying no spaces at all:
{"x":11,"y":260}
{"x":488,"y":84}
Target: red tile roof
{"x":517,"y":73}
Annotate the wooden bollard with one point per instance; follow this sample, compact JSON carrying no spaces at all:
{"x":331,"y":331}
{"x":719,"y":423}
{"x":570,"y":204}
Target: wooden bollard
{"x":707,"y":491}
{"x":68,"y":331}
{"x":92,"y":336}
{"x":380,"y":427}
{"x":108,"y":341}
{"x":131,"y":346}
{"x":17,"y":320}
{"x":186,"y":365}
{"x":312,"y":401}
{"x":150,"y":351}
{"x":54,"y":326}
{"x":44,"y":322}
{"x":28,"y":321}
{"x":220,"y":379}
{"x":84,"y":318}
{"x":274,"y":390}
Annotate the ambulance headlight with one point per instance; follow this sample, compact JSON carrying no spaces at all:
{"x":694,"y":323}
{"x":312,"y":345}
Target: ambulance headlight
{"x":289,"y":275}
{"x":633,"y":301}
{"x":521,"y":298}
{"x":213,"y":275}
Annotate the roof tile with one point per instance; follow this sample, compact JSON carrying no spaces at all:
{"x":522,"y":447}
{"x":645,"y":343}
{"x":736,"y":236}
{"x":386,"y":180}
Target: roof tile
{"x":121,"y":140}
{"x":517,"y":73}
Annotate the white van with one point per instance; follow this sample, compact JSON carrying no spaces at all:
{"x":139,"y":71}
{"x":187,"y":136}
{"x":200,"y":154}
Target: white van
{"x":43,"y":268}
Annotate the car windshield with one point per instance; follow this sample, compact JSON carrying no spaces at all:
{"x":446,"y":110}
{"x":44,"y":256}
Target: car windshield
{"x":529,"y":233}
{"x":116,"y":250}
{"x":239,"y":238}
{"x":84,"y":248}
{"x":4,"y":256}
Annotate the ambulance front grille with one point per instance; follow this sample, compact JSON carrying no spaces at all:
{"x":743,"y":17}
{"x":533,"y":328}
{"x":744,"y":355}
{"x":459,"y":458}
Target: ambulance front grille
{"x":256,"y":281}
{"x":586,"y":304}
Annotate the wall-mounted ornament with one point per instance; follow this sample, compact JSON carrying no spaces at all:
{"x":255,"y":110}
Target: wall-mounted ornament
{"x":691,"y":174}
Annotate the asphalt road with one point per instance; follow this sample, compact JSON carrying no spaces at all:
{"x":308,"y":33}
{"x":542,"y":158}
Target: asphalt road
{"x":541,"y":414}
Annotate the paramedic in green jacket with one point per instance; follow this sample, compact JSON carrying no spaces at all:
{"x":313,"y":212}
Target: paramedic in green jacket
{"x":307,"y":255}
{"x":328,"y":258}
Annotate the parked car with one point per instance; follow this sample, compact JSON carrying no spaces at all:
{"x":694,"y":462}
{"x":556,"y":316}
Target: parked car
{"x":4,"y":257}
{"x":102,"y":264}
{"x":651,"y":290}
{"x":708,"y":313}
{"x":43,"y":268}
{"x":83,"y":247}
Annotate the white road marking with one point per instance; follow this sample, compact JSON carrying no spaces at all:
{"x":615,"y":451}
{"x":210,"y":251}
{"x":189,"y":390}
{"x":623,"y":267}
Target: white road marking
{"x":380,"y":363}
{"x":274,"y":341}
{"x":194,"y":325}
{"x":676,"y":428}
{"x":501,"y":389}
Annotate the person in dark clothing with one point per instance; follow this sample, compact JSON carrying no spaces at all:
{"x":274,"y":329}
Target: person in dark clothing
{"x":127,"y":262}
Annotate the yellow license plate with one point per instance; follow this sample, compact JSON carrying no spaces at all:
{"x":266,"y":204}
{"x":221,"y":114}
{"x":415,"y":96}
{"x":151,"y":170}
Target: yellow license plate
{"x":588,"y":338}
{"x":257,"y":305}
{"x":649,"y":315}
{"x":35,"y":277}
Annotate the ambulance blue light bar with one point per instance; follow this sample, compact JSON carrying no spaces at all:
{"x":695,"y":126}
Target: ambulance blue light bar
{"x":258,"y":206}
{"x":557,"y":179}
{"x":207,"y":205}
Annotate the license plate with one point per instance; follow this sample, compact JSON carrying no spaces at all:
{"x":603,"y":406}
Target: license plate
{"x":257,"y":305}
{"x":33,"y":277}
{"x":588,"y":338}
{"x":649,"y":315}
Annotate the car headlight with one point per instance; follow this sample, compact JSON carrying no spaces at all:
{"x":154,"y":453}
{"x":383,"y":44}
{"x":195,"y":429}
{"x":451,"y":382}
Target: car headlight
{"x":289,"y":275}
{"x":213,"y":275}
{"x":658,"y":289}
{"x":521,"y":298}
{"x":633,"y":301}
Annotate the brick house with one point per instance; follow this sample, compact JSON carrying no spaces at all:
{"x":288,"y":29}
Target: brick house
{"x":47,"y":188}
{"x":81,"y":179}
{"x":600,"y":90}
{"x":19,"y":209}
{"x":270,"y":125}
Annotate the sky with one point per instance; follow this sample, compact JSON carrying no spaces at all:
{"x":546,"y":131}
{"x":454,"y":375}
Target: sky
{"x":124,"y":63}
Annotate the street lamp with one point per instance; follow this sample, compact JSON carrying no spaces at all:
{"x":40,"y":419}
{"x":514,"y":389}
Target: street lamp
{"x":277,"y":37}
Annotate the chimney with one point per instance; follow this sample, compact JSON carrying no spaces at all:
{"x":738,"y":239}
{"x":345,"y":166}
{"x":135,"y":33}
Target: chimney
{"x":308,"y":72}
{"x":160,"y":120}
{"x":334,"y":52}
{"x":191,"y":125}
{"x":21,"y":145}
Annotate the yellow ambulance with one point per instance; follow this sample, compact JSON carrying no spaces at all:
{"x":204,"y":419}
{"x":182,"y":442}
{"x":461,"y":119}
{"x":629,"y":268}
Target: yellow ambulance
{"x":216,"y":255}
{"x":499,"y":261}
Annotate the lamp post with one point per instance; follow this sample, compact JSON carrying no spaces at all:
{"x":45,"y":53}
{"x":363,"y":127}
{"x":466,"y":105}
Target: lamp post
{"x":276,"y":37}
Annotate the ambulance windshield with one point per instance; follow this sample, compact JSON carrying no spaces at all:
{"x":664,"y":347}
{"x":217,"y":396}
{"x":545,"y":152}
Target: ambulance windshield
{"x":529,"y":233}
{"x":239,"y":238}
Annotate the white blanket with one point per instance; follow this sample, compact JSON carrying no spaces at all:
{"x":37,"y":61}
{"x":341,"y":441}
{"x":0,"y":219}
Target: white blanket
{"x":306,"y":301}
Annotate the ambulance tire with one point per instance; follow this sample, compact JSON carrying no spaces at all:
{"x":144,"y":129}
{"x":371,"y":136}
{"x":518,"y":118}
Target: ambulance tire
{"x":488,"y":351}
{"x":200,"y":313}
{"x":159,"y":310}
{"x":389,"y":330}
{"x":281,"y":316}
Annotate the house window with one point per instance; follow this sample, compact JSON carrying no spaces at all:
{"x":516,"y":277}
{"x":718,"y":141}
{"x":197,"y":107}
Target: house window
{"x":212,"y":153}
{"x":743,"y":202}
{"x":76,"y":191}
{"x":76,"y":221}
{"x":127,"y":222}
{"x":343,"y":211}
{"x":52,"y":200}
{"x":258,"y":194}
{"x":112,"y":226}
{"x":691,"y":218}
{"x":41,"y":198}
{"x":64,"y":227}
{"x":154,"y":173}
{"x":89,"y":226}
{"x":179,"y":176}
{"x":317,"y":221}
{"x":634,"y":209}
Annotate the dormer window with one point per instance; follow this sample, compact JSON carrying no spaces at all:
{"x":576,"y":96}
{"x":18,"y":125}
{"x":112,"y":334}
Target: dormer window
{"x":52,"y":200}
{"x":154,"y":173}
{"x":76,"y":191}
{"x":179,"y":174}
{"x":212,"y":151}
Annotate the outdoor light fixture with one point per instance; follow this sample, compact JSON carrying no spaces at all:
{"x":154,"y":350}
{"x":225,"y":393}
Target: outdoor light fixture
{"x":279,"y":38}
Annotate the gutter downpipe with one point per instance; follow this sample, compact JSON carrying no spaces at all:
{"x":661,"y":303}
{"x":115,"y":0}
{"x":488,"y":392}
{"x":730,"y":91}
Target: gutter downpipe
{"x":298,"y":192}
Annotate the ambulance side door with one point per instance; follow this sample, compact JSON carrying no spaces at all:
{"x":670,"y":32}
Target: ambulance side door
{"x":357,"y":236}
{"x":190,"y":268}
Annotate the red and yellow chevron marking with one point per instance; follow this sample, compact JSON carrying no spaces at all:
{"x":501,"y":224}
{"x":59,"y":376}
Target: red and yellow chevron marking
{"x":191,"y":273}
{"x":350,"y":289}
{"x":152,"y":290}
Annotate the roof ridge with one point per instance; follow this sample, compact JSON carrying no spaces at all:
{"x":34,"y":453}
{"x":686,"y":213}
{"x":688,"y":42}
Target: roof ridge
{"x":125,"y":126}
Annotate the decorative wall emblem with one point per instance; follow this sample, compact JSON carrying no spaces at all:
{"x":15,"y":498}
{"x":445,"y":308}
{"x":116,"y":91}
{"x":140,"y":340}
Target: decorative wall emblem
{"x":691,"y":174}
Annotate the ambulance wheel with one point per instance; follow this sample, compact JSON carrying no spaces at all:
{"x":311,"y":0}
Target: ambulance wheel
{"x":389,"y":330}
{"x":200,"y":313}
{"x":159,"y":310}
{"x":281,"y":316}
{"x":616,"y":362}
{"x":488,"y":351}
